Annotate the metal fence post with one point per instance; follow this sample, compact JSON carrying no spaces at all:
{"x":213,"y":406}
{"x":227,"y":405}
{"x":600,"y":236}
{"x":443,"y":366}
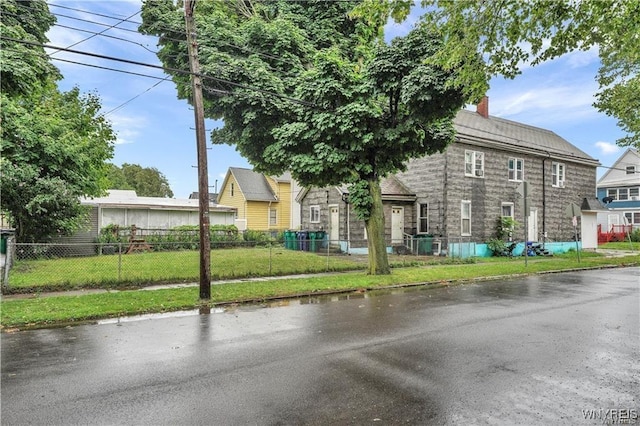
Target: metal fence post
{"x":119,"y":261}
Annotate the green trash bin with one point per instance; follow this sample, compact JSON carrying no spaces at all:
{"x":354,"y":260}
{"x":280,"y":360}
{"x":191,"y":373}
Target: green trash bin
{"x":425,"y":244}
{"x":4,"y":237}
{"x":288,"y":244}
{"x":320,"y":235}
{"x":312,"y":241}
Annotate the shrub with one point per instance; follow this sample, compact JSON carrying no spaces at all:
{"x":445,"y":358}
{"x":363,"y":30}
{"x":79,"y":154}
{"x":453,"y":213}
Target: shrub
{"x":497,"y":246}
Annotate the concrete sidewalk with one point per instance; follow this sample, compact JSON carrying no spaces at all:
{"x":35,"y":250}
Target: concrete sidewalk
{"x":83,"y":292}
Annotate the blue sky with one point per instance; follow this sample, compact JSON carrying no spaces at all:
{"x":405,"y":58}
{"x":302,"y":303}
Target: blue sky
{"x":155,"y":129}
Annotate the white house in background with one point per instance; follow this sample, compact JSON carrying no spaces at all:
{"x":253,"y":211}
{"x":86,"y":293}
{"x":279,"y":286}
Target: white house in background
{"x":125,"y":208}
{"x":619,"y":190}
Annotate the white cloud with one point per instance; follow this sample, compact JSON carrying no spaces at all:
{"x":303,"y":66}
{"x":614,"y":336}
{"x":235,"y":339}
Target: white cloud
{"x":607,"y":147}
{"x":545,"y":103}
{"x":579,"y":58}
{"x":127,"y":128}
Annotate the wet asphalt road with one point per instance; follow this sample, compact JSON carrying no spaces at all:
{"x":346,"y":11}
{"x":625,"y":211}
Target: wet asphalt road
{"x":538,"y":350}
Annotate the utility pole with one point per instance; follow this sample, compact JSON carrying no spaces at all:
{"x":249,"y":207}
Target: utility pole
{"x":203,"y":179}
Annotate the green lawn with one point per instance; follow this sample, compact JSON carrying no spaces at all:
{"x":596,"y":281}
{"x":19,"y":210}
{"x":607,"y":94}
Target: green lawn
{"x":135,"y":270}
{"x":43,"y":311}
{"x":620,"y":245}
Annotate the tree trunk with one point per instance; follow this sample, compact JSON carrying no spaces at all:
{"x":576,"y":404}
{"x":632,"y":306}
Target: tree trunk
{"x":378,"y":259}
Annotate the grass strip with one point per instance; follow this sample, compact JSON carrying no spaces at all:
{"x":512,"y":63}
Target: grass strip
{"x":137,"y":270}
{"x":44,"y":311}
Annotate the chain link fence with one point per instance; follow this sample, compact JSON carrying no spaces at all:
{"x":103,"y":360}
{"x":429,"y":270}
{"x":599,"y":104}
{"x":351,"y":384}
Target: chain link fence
{"x":145,"y":258}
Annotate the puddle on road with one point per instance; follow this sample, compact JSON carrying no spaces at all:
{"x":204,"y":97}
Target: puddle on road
{"x":176,"y":314}
{"x":303,"y":300}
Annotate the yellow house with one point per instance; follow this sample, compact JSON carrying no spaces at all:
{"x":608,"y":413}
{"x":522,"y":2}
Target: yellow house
{"x":263,"y":203}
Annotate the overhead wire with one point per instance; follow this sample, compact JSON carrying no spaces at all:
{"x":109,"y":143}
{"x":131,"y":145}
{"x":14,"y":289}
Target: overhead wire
{"x":108,"y":36}
{"x":122,"y":105}
{"x":94,"y":35}
{"x":165,"y":69}
{"x":220,"y":42}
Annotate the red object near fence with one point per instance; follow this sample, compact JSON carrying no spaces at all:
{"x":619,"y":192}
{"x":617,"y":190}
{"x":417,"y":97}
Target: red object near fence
{"x":615,"y":233}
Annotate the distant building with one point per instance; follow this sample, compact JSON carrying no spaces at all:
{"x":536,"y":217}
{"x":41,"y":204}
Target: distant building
{"x":462,"y":192}
{"x":262,"y":202}
{"x":619,"y":190}
{"x":125,"y":208}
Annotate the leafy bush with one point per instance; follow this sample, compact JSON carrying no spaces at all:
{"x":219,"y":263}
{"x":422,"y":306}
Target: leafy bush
{"x":497,"y":246}
{"x":505,"y":227}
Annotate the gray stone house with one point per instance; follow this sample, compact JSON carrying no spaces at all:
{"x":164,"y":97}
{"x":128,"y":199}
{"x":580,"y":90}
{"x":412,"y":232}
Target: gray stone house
{"x":462,"y":192}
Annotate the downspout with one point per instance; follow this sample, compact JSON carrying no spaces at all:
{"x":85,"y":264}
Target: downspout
{"x":544,"y":199}
{"x":348,"y":229}
{"x":445,"y":199}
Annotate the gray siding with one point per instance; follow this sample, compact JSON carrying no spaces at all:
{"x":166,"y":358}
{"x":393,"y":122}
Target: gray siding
{"x":489,"y":192}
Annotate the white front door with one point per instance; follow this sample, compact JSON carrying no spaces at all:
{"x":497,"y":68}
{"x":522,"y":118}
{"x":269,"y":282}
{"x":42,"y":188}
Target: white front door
{"x":334,"y":224}
{"x":533,"y":225}
{"x":397,"y":225}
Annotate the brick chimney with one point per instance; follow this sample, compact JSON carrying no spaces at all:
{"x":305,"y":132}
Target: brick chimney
{"x":483,"y":107}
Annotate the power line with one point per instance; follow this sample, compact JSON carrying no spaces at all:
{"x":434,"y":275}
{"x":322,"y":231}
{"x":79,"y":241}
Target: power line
{"x":93,"y":13}
{"x":122,"y":105}
{"x":220,"y":42}
{"x":108,"y":68}
{"x":96,"y":34}
{"x":108,"y":36}
{"x":165,"y":69}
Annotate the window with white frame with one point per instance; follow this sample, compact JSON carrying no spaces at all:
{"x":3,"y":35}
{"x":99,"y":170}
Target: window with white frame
{"x":557,"y":174}
{"x":633,"y":218}
{"x":516,"y":169}
{"x":474,"y":163}
{"x":273,"y":217}
{"x":465,"y":215}
{"x":423,"y":218}
{"x":314,"y":214}
{"x":507,"y":210}
{"x":630,"y":170}
{"x":624,"y":194}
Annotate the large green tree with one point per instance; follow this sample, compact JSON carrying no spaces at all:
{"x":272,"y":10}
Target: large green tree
{"x":513,"y":33}
{"x":146,"y":181}
{"x":24,"y":66}
{"x":310,"y":87}
{"x":54,"y":144}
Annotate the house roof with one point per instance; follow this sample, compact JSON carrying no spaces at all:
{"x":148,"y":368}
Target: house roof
{"x":391,"y":187}
{"x":196,"y":195}
{"x":592,"y":205}
{"x":254,"y":185}
{"x":616,"y":174}
{"x":129,"y":199}
{"x":472,"y":127}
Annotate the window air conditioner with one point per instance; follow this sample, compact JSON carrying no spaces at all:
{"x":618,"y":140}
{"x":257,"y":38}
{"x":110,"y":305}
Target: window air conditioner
{"x":635,"y":198}
{"x":480,"y":173}
{"x":561,"y":183}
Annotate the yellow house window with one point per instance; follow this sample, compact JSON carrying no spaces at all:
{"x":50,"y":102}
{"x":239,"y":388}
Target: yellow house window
{"x":273,"y":217}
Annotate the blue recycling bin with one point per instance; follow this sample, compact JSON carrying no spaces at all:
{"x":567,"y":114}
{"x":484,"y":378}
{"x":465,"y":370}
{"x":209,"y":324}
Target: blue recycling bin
{"x":303,"y":240}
